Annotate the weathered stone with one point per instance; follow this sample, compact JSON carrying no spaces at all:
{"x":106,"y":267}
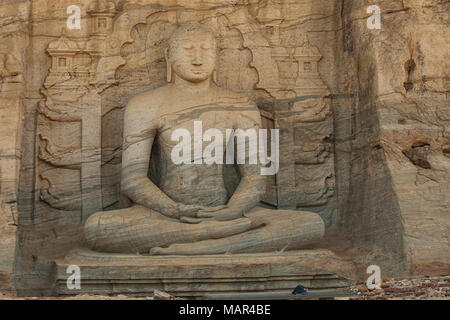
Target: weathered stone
{"x":197,"y":276}
{"x":363,"y":116}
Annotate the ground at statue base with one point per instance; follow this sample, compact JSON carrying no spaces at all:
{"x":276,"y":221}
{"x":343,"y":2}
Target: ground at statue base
{"x":157,"y":295}
{"x":412,"y":288}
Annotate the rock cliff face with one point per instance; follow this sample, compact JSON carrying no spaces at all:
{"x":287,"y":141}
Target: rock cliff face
{"x":364,"y":118}
{"x":392,"y":139}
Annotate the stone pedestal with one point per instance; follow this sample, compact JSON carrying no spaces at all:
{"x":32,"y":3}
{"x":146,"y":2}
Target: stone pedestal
{"x":200,"y":276}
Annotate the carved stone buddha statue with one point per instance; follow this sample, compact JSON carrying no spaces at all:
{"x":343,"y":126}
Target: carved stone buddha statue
{"x":187,"y":210}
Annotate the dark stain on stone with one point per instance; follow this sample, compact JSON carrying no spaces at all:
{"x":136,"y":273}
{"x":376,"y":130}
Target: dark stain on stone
{"x":408,"y":85}
{"x":446,"y":151}
{"x":410,"y":66}
{"x":418,"y":154}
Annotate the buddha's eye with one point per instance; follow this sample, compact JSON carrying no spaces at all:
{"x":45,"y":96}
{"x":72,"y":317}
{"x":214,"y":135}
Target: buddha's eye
{"x":206,"y":47}
{"x":188,"y":47}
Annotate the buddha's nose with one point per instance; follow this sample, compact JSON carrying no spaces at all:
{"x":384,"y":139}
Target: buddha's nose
{"x":197,"y":61}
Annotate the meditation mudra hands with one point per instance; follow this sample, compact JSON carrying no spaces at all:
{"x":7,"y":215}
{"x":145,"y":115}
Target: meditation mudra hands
{"x":196,"y":213}
{"x":204,"y":213}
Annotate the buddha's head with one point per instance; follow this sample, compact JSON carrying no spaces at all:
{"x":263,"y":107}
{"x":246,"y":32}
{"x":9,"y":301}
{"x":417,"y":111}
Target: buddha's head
{"x":191,"y":54}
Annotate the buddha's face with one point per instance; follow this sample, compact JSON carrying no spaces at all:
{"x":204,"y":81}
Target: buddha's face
{"x":193,"y":56}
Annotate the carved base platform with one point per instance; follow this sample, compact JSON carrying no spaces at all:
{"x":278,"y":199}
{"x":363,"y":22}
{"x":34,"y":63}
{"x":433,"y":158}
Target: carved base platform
{"x":203,"y":276}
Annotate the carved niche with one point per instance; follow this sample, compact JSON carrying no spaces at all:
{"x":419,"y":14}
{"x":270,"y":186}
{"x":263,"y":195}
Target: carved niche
{"x":90,"y":82}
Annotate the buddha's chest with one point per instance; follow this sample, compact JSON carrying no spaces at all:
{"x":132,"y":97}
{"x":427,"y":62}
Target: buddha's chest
{"x":199,"y":126}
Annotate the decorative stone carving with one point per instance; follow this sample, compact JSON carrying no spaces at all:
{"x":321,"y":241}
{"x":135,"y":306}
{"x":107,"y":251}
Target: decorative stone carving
{"x":311,"y":156}
{"x":11,"y":91}
{"x":80,"y":71}
{"x":298,"y":68}
{"x":10,"y":68}
{"x":101,"y":12}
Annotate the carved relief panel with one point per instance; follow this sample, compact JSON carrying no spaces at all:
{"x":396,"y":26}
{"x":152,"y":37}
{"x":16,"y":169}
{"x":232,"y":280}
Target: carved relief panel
{"x":91,"y":81}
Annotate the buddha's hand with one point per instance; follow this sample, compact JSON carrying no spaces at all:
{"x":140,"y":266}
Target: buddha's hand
{"x":191,"y":211}
{"x":220,"y":213}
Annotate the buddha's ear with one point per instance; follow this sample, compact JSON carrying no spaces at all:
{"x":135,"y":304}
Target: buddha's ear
{"x":214,"y":76}
{"x":168,"y":66}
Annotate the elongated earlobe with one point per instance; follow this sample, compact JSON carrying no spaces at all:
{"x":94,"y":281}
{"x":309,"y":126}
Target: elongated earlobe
{"x":169,"y":72}
{"x":215,"y":76}
{"x":168,"y":66}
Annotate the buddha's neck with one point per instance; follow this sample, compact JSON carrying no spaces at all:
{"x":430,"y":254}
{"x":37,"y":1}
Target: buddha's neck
{"x":193,"y":87}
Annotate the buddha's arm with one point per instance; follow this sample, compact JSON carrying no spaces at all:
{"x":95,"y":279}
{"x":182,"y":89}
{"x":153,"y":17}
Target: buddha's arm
{"x":249,"y":191}
{"x":140,"y":128}
{"x":252,"y":185}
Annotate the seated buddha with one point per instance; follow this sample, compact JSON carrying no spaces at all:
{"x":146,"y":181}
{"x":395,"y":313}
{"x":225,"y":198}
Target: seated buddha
{"x":188,"y":210}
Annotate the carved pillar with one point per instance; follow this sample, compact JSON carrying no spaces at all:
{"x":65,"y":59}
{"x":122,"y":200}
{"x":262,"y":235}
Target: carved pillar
{"x":289,"y":73}
{"x":11,"y":92}
{"x":71,"y":117}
